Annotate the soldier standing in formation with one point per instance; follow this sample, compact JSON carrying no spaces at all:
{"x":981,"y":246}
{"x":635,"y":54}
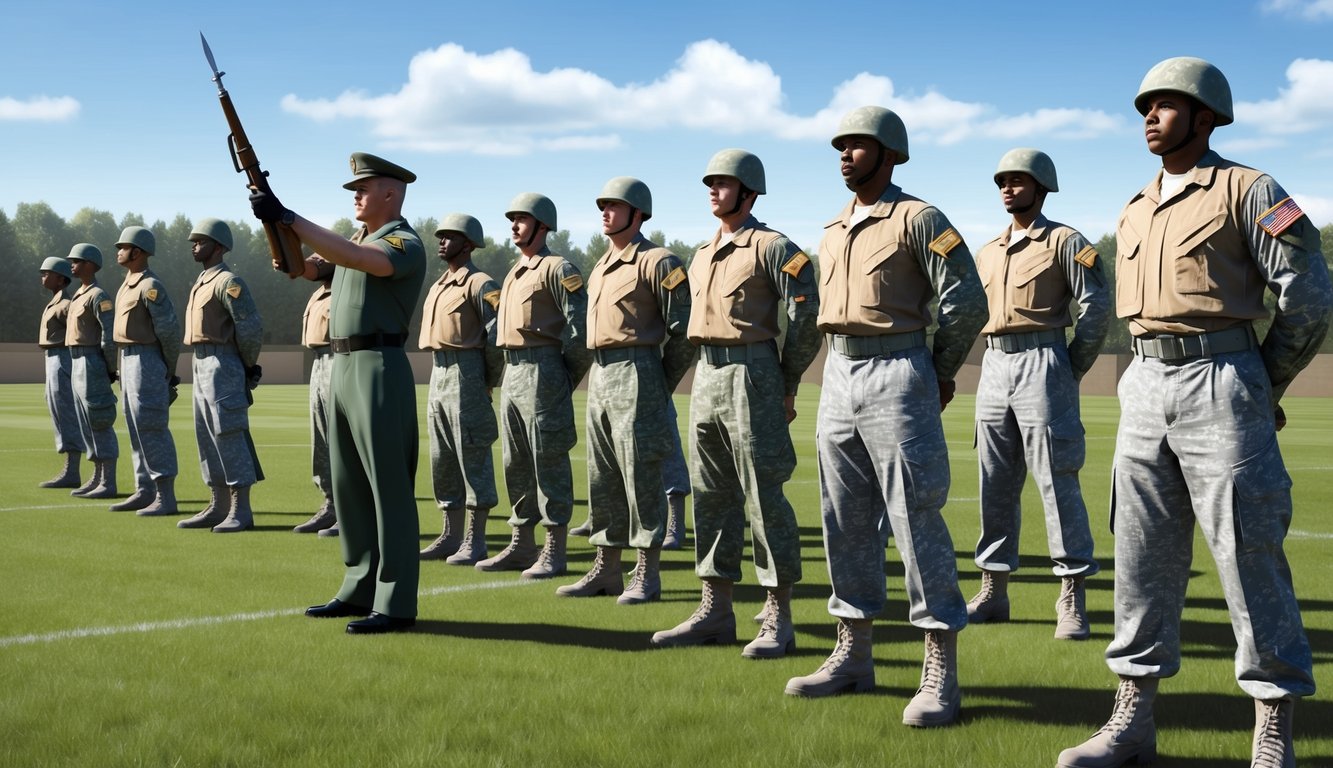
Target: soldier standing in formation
{"x":1027,"y":399}
{"x":541,"y":328}
{"x":56,"y":278}
{"x":373,"y":410}
{"x":225,"y":330}
{"x":315,"y":337}
{"x":883,"y":460}
{"x":638,"y":312}
{"x":743,"y":398}
{"x":90,"y":337}
{"x":458,"y":326}
{"x":149,"y":337}
{"x":1199,"y":412}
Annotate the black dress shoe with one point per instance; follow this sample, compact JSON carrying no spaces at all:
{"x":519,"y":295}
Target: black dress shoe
{"x":378,"y":623}
{"x":336,"y":609}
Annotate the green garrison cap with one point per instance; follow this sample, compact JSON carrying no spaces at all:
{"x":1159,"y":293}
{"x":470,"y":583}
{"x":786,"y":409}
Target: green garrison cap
{"x":57,"y":265}
{"x":86,"y":252}
{"x":365,"y":165}
{"x":467,"y":225}
{"x":538,"y":206}
{"x":879,"y":123}
{"x":745,"y":166}
{"x":631,"y":192}
{"x":214,"y":229}
{"x":1193,"y":77}
{"x":1033,"y":162}
{"x":139,"y":237}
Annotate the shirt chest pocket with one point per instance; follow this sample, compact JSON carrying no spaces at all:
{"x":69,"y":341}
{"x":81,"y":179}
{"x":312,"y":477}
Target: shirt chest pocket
{"x":1128,"y":271}
{"x":452,"y":317}
{"x":619,"y":290}
{"x":876,"y":274}
{"x":740,"y":282}
{"x":1035,"y":284}
{"x":1195,"y":249}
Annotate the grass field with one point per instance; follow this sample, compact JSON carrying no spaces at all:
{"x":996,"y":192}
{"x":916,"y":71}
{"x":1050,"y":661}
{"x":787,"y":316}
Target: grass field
{"x":127,"y":642}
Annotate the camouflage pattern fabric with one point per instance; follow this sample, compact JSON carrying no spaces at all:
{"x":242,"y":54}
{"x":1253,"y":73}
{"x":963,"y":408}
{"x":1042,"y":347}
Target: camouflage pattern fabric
{"x":94,"y":402}
{"x":537,"y":417}
{"x":60,"y":401}
{"x":321,"y":368}
{"x":143,"y":385}
{"x":461,"y":421}
{"x":675,"y":474}
{"x":222,"y":418}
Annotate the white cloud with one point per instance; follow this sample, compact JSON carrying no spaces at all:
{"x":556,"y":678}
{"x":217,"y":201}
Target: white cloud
{"x":1319,"y":209}
{"x":39,"y":109}
{"x":1313,"y":10}
{"x":458,"y":101}
{"x":1305,"y":105}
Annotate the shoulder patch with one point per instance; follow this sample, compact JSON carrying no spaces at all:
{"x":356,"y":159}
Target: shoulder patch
{"x":395,"y":241}
{"x":234,"y":290}
{"x":151,"y":293}
{"x":492,"y":298}
{"x":572,"y":283}
{"x":674,"y":279}
{"x":796,"y":263}
{"x":104,"y":305}
{"x":1087,"y":257}
{"x":1277,"y":219}
{"x":946,"y":242}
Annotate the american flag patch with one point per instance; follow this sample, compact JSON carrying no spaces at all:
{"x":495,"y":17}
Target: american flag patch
{"x":1277,"y":219}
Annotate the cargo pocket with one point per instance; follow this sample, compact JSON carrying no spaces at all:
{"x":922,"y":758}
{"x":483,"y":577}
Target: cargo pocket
{"x":925,"y":470}
{"x":1068,"y":449}
{"x":1262,"y":499}
{"x":231,"y":414}
{"x":555,"y":427}
{"x":478,"y":423}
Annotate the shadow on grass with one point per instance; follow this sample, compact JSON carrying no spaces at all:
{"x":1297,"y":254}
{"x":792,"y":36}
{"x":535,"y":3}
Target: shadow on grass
{"x":549,"y":634}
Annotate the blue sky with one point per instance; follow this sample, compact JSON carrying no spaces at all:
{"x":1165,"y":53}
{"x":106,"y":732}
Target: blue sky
{"x":110,"y":105}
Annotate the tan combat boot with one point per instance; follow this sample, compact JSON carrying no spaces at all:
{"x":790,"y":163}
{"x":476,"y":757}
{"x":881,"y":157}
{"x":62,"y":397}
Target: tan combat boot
{"x":777,"y":636}
{"x":331,"y":532}
{"x":603,"y":578}
{"x":939,"y":700}
{"x":713,"y":622}
{"x":219,"y":504}
{"x":240,"y":518}
{"x":106,"y":482}
{"x":164,"y":501}
{"x":69,"y":476}
{"x":449,"y":538}
{"x":675,"y":527}
{"x":1071,"y":615}
{"x":992,"y":602}
{"x":324,"y":518}
{"x":645,"y":584}
{"x":1272,"y":734}
{"x":94,"y":480}
{"x":582,"y":529}
{"x":1129,"y":735}
{"x":849,"y":669}
{"x":551,"y":562}
{"x":140,"y":499}
{"x":472,"y":548}
{"x":521,"y":552}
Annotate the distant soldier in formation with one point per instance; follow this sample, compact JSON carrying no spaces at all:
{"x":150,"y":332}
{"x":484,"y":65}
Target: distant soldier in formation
{"x":223,"y":326}
{"x":458,"y":327}
{"x":1027,"y":399}
{"x":541,"y":328}
{"x":883,"y":460}
{"x":743,"y":397}
{"x":149,"y":335}
{"x":56,"y":278}
{"x":315,"y":337}
{"x":638,"y":313}
{"x":90,"y":337}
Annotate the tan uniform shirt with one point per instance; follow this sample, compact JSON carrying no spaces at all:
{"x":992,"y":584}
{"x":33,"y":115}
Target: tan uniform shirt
{"x":735,"y":297}
{"x":134,"y":324}
{"x":55,"y":317}
{"x":207,"y":320}
{"x":629,"y":293}
{"x":315,"y":322}
{"x":532,"y":302}
{"x":458,"y":308}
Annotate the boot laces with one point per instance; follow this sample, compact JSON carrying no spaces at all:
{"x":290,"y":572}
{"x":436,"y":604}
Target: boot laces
{"x":842,"y":649}
{"x":1126,"y":704}
{"x":769,"y":628}
{"x":637,"y":576}
{"x":1068,"y":597}
{"x":547,"y":553}
{"x":1271,"y":745}
{"x":932,"y":678}
{"x":705,"y":604}
{"x":987,"y":592}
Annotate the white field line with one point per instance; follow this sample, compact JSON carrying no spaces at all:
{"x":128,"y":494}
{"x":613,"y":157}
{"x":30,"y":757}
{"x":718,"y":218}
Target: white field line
{"x":203,"y":621}
{"x":86,"y":505}
{"x":1296,"y":534}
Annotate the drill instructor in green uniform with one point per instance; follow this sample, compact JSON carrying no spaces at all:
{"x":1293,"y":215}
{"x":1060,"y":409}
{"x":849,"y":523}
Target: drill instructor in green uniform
{"x":373,"y":413}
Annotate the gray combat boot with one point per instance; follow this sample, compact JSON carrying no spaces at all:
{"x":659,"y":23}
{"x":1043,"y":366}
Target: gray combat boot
{"x":1071,"y":615}
{"x":675,"y":527}
{"x":449,"y":538}
{"x":849,"y":669}
{"x":1129,"y":735}
{"x":551,"y":562}
{"x":324,"y":518}
{"x":992,"y":602}
{"x":777,"y":636}
{"x":603,"y":578}
{"x":106,"y":482}
{"x":582,"y":529}
{"x":939,"y":700}
{"x":94,"y":480}
{"x":1272,"y":734}
{"x":240,"y":518}
{"x":713,"y":622}
{"x":521,"y":552}
{"x":645,"y":584}
{"x":219,"y":504}
{"x":472,"y":548}
{"x":69,"y":476}
{"x":140,"y":499}
{"x":330,"y":532}
{"x":164,"y":501}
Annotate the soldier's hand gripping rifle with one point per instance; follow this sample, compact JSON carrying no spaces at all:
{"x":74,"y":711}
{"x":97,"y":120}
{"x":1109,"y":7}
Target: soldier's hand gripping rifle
{"x":283,"y":244}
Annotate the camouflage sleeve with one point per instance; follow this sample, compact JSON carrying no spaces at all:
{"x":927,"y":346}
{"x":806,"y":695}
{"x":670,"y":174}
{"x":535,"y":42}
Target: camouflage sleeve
{"x":673,"y":296}
{"x":566,"y":284}
{"x":1087,"y":283}
{"x":947,"y":263}
{"x":793,"y":274}
{"x":167,"y":327}
{"x":240,"y":304}
{"x":486,"y":301}
{"x":1294,"y":268}
{"x":106,"y":318}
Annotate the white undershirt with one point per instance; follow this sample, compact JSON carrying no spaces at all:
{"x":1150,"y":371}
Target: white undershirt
{"x":1017,"y":236}
{"x":1173,"y":183}
{"x":860,"y":213}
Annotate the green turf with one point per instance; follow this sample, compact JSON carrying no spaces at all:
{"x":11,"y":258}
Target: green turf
{"x":507,"y":674}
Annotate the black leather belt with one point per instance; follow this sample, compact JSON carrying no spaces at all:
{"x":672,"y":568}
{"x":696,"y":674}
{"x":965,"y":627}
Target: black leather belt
{"x":528,"y":354}
{"x":345,"y":345}
{"x":622,"y":354}
{"x":1173,"y":348}
{"x":874,"y":346}
{"x":739,"y":353}
{"x":1021,"y":342}
{"x":450,"y":356}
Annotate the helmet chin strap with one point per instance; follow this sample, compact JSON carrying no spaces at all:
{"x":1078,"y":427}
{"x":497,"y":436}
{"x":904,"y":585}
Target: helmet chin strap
{"x":531,"y":235}
{"x":741,"y":197}
{"x":628,"y":223}
{"x":1191,"y":135}
{"x":874,"y":168}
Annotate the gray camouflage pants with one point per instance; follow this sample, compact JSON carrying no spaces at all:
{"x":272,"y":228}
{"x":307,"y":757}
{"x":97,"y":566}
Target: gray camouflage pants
{"x":60,"y":401}
{"x":222,"y":418}
{"x":462,"y":428}
{"x":143,"y":385}
{"x":675,"y":474}
{"x":538,"y":420}
{"x":94,"y":402}
{"x":321,"y":370}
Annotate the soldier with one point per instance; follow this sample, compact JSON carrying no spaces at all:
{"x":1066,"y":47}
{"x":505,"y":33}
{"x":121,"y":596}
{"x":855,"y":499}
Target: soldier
{"x":224,"y":327}
{"x":676,"y":480}
{"x":315,"y":337}
{"x":744,"y":396}
{"x":1199,"y":412}
{"x":883,"y":461}
{"x":373,"y":411}
{"x":638,"y":313}
{"x":90,"y":337}
{"x":56,"y":278}
{"x":1027,"y":400}
{"x":148,"y":334}
{"x":458,"y":326}
{"x":541,"y":329}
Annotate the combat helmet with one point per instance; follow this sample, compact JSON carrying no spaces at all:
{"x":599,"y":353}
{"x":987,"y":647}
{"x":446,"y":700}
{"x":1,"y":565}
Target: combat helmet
{"x":138,"y":237}
{"x":86,"y":252}
{"x":57,"y":265}
{"x":1193,"y":77}
{"x":631,"y":192}
{"x":538,"y":206}
{"x":214,"y":229}
{"x":461,"y":222}
{"x":882,"y":124}
{"x":744,"y":166}
{"x":1033,"y":162}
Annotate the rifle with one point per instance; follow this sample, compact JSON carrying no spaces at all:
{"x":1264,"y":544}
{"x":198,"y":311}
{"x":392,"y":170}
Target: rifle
{"x":283,"y":244}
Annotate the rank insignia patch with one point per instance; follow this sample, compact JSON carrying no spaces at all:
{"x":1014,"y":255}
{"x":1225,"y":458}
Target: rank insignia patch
{"x":396,"y":242}
{"x":105,"y":306}
{"x":796,"y":263}
{"x":1087,"y":257}
{"x":492,"y":298}
{"x":572,"y":283}
{"x":234,"y":291}
{"x":674,"y":279}
{"x":946,"y":242}
{"x":151,"y":293}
